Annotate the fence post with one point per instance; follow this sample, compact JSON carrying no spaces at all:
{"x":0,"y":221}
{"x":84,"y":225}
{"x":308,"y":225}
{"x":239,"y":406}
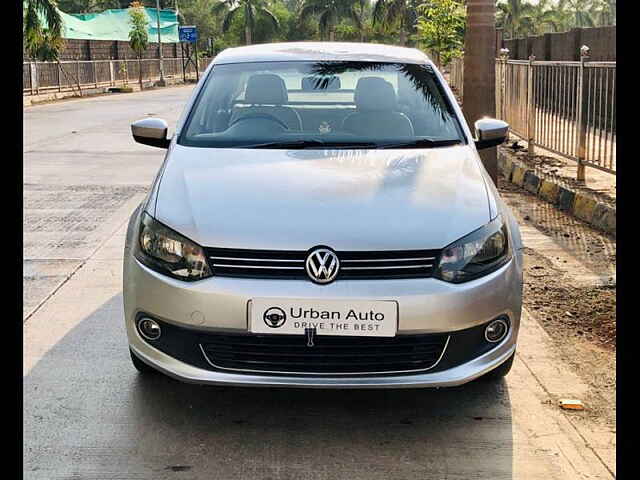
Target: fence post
{"x":33,"y":72}
{"x":581,"y":128}
{"x":95,"y":72}
{"x":111,"y":73}
{"x":59,"y":71}
{"x":502,"y":81}
{"x":531,"y":108}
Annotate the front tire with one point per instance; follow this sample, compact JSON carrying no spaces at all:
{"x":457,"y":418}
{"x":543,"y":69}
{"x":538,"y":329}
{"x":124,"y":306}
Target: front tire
{"x":500,"y":371}
{"x":140,"y":365}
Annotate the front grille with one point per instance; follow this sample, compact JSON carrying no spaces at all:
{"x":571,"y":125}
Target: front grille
{"x":284,"y":264}
{"x":339,"y":355}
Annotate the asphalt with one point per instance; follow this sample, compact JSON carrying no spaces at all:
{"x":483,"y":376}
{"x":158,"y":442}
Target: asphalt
{"x":89,"y":415}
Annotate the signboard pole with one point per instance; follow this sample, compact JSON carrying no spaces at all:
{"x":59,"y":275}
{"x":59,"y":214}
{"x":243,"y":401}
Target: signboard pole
{"x":197,"y":69}
{"x":161,"y":82}
{"x":184,"y":69}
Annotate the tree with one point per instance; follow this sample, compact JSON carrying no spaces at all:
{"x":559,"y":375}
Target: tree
{"x":329,"y":12}
{"x":42,"y":42}
{"x":604,"y":12}
{"x":479,"y":71}
{"x":441,"y":29}
{"x":138,"y":36}
{"x":88,"y":6}
{"x":392,"y":12}
{"x":580,"y":10}
{"x":251,"y":10}
{"x":516,"y":18}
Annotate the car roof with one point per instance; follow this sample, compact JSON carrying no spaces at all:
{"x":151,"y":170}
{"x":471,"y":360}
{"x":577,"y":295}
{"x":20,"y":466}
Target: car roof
{"x":321,"y":51}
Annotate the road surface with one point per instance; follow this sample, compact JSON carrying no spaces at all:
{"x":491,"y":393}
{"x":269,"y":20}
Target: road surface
{"x":89,"y":415}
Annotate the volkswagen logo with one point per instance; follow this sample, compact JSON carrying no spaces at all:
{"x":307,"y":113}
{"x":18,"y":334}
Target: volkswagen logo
{"x":322,"y":265}
{"x":274,"y":317}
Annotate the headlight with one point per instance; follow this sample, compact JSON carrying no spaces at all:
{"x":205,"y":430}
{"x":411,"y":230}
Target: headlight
{"x":479,"y":253}
{"x":168,"y":252}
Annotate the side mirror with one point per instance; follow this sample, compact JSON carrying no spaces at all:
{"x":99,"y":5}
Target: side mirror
{"x":151,"y":131}
{"x":490,"y":132}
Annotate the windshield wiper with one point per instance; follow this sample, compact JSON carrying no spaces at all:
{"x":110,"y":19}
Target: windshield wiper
{"x":422,"y":143}
{"x":308,"y":143}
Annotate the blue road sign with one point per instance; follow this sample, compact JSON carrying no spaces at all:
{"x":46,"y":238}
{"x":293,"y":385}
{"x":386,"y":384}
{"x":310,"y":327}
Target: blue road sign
{"x":188,"y":34}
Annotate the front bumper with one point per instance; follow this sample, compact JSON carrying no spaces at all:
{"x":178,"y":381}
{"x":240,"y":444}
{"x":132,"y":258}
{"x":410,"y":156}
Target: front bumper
{"x":425,"y":306}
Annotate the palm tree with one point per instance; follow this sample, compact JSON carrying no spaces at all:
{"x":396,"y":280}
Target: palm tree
{"x":42,"y":41}
{"x":543,"y":17}
{"x":479,"y":71}
{"x":516,"y":17}
{"x":329,"y":12}
{"x":604,"y":12}
{"x":579,"y":12}
{"x":390,"y":12}
{"x":362,"y":5}
{"x":251,"y":9}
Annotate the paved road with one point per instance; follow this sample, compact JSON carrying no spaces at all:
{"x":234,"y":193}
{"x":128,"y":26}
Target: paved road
{"x":89,"y":415}
{"x":81,"y":167}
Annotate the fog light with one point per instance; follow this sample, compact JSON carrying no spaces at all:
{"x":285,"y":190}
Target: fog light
{"x":149,"y":329}
{"x":496,"y":330}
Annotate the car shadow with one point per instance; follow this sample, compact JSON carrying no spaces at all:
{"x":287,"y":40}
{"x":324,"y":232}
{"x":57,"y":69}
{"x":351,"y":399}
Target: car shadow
{"x":88,"y":413}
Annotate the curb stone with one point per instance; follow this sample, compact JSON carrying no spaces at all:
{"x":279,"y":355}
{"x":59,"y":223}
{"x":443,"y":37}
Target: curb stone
{"x":531,"y":182}
{"x":549,"y":191}
{"x":605,"y":217}
{"x":583,"y":208}
{"x":565,"y":199}
{"x":518,"y":175}
{"x":579,"y":204}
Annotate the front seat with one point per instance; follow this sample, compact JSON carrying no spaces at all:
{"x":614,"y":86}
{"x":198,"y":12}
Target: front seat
{"x":377,"y":112}
{"x":266,"y":93}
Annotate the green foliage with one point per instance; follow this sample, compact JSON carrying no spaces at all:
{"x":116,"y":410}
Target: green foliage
{"x":250,"y":10}
{"x":441,"y":29}
{"x":400,"y":14}
{"x":138,"y":37}
{"x":520,"y":18}
{"x":329,"y":13}
{"x":42,"y":42}
{"x":89,"y":6}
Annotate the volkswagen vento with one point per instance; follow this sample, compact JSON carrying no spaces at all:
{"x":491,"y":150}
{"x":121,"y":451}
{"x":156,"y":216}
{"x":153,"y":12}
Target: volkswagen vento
{"x":322,"y":219}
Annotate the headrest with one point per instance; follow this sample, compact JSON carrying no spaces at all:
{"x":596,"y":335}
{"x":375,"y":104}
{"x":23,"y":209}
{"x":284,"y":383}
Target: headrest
{"x":266,"y":89}
{"x":320,"y":83}
{"x":375,"y":94}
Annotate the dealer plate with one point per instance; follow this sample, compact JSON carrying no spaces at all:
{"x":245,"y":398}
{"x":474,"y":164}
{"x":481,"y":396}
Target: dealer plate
{"x":289,"y":316}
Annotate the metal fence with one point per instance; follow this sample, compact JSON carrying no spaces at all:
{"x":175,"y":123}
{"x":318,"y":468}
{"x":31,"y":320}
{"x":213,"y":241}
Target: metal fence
{"x":568,"y":108}
{"x":456,"y":80}
{"x":43,"y":77}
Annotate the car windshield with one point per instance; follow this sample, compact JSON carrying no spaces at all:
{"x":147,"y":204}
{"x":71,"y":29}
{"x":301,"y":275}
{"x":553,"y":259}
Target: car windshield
{"x":321,"y":104}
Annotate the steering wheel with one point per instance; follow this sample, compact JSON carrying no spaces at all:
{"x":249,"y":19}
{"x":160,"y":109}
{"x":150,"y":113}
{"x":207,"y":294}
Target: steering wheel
{"x":256,"y":116}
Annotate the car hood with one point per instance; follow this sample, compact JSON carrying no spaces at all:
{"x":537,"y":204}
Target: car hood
{"x":344,"y":199}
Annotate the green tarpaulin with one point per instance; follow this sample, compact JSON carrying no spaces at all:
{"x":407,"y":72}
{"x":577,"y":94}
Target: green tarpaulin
{"x":115,"y":25}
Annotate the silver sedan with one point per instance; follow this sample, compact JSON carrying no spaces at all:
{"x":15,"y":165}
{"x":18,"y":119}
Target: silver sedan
{"x":322,"y":219}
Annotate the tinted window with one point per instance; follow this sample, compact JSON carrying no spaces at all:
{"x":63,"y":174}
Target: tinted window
{"x":302,"y":104}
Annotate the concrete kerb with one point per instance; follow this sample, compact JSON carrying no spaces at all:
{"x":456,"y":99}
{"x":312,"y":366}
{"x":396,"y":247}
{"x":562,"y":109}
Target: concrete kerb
{"x":579,"y":204}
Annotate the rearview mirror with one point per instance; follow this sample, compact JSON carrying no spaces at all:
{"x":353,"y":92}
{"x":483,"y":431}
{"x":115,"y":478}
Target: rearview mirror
{"x":490,"y":132}
{"x":151,"y":131}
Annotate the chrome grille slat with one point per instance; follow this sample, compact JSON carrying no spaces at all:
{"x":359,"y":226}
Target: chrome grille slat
{"x":255,"y":259}
{"x":220,"y":265}
{"x":387,"y":267}
{"x":394,"y":260}
{"x":290,"y":264}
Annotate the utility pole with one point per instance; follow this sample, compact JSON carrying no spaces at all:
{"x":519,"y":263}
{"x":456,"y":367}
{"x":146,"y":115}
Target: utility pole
{"x":161,"y":82}
{"x":479,"y":71}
